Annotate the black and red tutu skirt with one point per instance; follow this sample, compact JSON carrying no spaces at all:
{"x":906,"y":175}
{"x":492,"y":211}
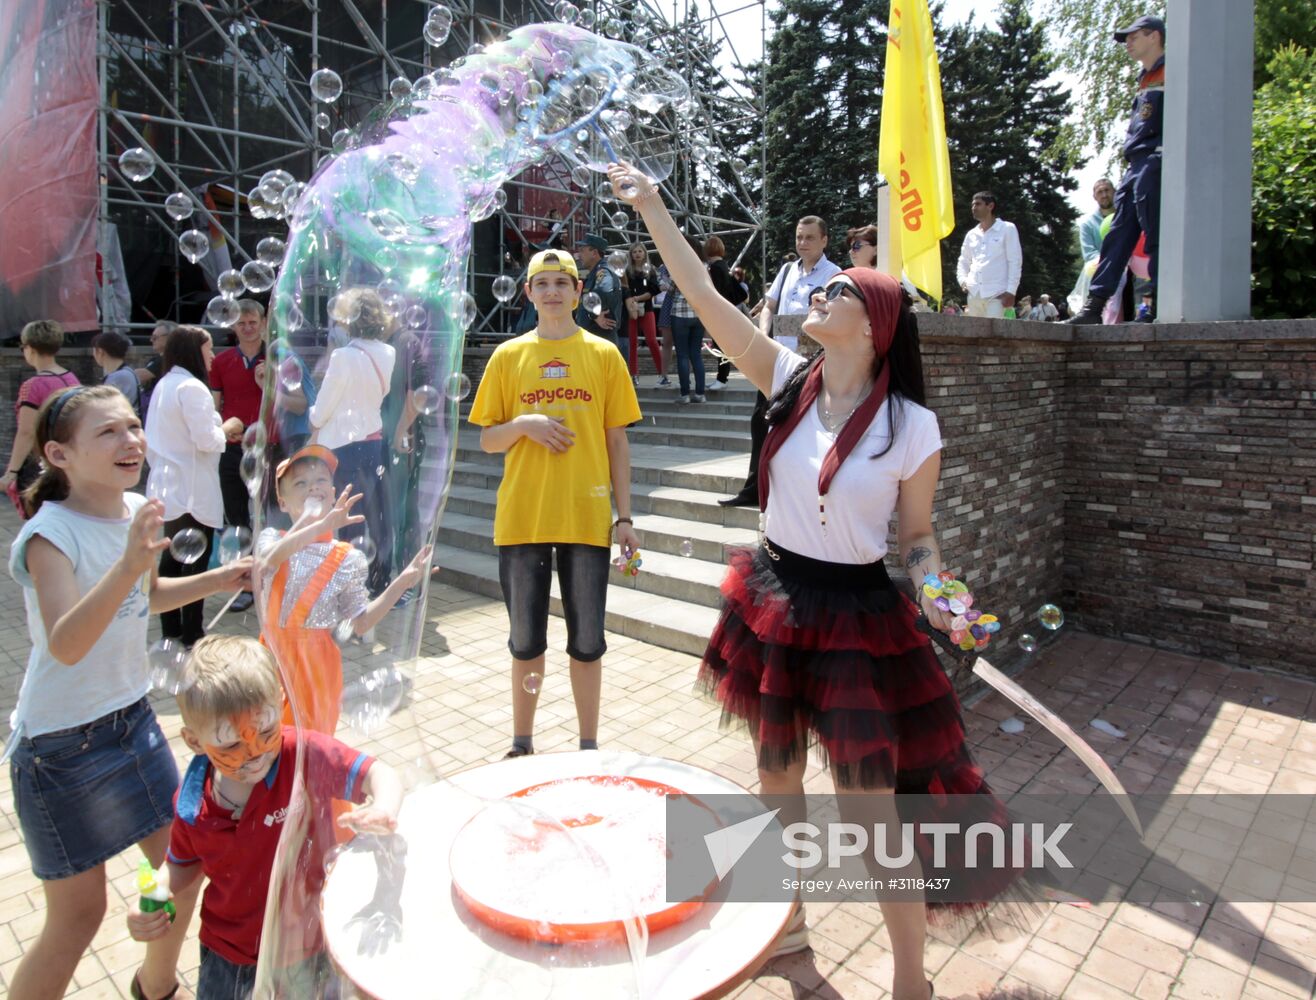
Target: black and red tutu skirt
{"x":828,"y":655}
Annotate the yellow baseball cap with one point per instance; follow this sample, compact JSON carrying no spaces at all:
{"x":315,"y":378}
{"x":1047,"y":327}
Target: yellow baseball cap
{"x":552,"y":260}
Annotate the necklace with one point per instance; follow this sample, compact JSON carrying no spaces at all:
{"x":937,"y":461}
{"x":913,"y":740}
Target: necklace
{"x":224,"y":800}
{"x":829,"y":420}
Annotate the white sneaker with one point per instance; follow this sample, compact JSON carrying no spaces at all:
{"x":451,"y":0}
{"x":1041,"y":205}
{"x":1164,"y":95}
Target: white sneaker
{"x":683,"y":400}
{"x":698,"y":398}
{"x":795,"y":938}
{"x":717,"y":385}
{"x":663,"y":380}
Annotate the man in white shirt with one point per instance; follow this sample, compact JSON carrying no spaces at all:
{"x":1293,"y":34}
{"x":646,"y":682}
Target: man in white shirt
{"x":990,"y":260}
{"x":788,"y":296}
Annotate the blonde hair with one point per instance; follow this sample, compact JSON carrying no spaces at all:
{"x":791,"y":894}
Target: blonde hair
{"x":226,"y":675}
{"x":44,"y":336}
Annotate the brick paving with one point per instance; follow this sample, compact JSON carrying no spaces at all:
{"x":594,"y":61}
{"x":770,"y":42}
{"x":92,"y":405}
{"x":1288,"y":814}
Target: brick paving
{"x":1191,"y":726}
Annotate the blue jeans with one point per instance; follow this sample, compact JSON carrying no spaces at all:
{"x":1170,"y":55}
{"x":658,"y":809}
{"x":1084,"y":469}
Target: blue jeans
{"x":526,"y":574}
{"x":688,"y":335}
{"x":87,"y":793}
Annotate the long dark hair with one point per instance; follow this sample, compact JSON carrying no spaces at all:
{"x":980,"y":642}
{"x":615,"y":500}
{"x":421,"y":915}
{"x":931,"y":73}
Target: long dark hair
{"x":905,"y":359}
{"x":57,"y":421}
{"x":183,"y":349}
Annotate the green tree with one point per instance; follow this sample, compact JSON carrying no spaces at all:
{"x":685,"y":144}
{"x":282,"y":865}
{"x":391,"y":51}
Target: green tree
{"x":1005,"y":122}
{"x":824,"y":87}
{"x":1284,"y":187}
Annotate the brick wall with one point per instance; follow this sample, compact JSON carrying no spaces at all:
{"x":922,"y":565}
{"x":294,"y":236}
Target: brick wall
{"x":14,"y":371}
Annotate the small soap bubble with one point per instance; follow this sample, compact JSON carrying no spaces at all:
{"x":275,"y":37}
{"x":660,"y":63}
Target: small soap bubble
{"x":580,"y":175}
{"x":230,"y":282}
{"x":270,"y":250}
{"x":617,"y":261}
{"x":687,"y":548}
{"x":193,"y":244}
{"x":254,"y":437}
{"x":438,"y":25}
{"x":251,"y":469}
{"x":399,"y":87}
{"x":415,"y":317}
{"x":470,"y":310}
{"x":180,"y":206}
{"x":326,"y":85}
{"x":739,"y":165}
{"x":188,"y":545}
{"x":534,"y":90}
{"x":344,"y":308}
{"x":504,"y":288}
{"x":587,"y":96}
{"x":137,"y":163}
{"x":341,"y":136}
{"x":620,"y":220}
{"x":290,"y":375}
{"x":258,"y":276}
{"x":166,"y":658}
{"x":566,"y":12}
{"x":223,"y":310}
{"x":1050,"y":616}
{"x":592,"y":303}
{"x":533,"y":683}
{"x":165,"y":481}
{"x":321,"y":120}
{"x":426,"y":399}
{"x":458,"y":386}
{"x":586,"y":20}
{"x":500,"y":199}
{"x":366,"y":546}
{"x":234,"y":543}
{"x":1028,"y":642}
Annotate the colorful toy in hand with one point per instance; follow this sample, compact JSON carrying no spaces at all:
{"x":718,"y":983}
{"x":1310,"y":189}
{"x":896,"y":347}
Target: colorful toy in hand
{"x":631,"y":566}
{"x":970,"y":628}
{"x":153,"y":896}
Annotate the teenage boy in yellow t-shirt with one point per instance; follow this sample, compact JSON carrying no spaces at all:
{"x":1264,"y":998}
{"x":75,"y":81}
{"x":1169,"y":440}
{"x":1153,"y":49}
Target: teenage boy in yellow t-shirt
{"x":556,"y":401}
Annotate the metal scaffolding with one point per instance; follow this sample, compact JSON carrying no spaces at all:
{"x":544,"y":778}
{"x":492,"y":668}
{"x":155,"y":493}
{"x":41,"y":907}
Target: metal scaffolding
{"x":219,"y":91}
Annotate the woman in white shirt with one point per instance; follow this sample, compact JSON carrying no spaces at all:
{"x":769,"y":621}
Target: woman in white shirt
{"x":347,"y":418}
{"x":184,"y":440}
{"x":815,"y":645}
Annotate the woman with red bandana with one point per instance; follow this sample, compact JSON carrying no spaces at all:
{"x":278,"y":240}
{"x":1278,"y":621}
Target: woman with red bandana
{"x":815,"y":646}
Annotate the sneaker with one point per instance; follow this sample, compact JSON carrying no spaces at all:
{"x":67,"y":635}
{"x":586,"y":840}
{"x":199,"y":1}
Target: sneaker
{"x":697,"y":398}
{"x":795,"y":938}
{"x":663,"y":381}
{"x":635,"y":381}
{"x":717,"y":385}
{"x":683,"y":400}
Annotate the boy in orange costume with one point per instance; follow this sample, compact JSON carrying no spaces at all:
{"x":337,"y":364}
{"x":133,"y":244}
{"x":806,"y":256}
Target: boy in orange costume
{"x":319,"y":583}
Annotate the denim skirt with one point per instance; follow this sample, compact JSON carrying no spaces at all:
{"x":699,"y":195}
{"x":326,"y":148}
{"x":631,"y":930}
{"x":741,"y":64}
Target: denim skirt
{"x":88,"y":793}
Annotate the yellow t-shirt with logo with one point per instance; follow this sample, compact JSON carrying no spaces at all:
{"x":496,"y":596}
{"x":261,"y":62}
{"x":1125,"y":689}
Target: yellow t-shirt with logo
{"x":548,"y":496}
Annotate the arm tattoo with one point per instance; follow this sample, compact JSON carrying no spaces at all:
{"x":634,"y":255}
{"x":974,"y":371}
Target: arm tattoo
{"x":916,"y":555}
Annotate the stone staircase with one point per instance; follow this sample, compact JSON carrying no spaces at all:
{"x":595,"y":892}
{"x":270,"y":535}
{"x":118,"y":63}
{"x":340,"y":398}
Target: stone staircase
{"x":683,"y":459}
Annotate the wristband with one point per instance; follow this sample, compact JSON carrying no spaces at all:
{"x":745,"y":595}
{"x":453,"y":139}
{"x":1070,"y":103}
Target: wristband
{"x":623,"y":520}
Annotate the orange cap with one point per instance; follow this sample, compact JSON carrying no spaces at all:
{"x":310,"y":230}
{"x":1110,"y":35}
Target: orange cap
{"x":317,"y":451}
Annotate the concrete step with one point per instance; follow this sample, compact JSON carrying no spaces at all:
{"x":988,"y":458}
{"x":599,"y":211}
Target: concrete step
{"x":662,"y":621}
{"x":664,"y":574}
{"x":700,"y":469}
{"x":691,"y":520}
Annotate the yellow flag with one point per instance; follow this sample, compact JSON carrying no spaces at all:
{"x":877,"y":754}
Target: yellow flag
{"x":911,"y":150}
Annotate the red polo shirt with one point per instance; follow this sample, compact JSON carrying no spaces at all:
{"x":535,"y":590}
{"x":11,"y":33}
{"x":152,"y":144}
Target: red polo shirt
{"x":233,"y":374}
{"x":236,"y":855}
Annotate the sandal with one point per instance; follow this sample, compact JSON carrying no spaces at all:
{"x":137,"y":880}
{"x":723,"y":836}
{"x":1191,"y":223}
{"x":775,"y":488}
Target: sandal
{"x":795,"y":938}
{"x":135,"y":990}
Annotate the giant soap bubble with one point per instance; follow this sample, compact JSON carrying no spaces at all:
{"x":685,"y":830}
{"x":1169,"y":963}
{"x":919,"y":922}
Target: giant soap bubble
{"x":368,"y":316}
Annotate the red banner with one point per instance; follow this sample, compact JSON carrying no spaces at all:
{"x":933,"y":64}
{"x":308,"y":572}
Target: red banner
{"x":48,"y":182}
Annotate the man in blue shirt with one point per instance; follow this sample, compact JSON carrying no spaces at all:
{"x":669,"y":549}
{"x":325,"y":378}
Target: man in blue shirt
{"x":600,"y":280}
{"x":1138,"y":200}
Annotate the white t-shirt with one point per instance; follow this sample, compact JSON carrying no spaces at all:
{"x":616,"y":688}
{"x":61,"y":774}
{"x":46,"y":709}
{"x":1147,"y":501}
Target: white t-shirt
{"x":864,"y":490}
{"x":114,"y":674}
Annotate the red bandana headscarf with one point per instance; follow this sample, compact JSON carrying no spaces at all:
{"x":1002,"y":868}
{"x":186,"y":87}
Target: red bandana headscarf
{"x":883,"y":296}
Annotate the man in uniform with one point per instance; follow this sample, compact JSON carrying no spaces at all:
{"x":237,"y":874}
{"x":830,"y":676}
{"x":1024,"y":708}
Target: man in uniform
{"x":1138,"y":200}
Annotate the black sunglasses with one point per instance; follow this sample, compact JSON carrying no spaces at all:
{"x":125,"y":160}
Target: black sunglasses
{"x":859,"y":245}
{"x":835,"y":291}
